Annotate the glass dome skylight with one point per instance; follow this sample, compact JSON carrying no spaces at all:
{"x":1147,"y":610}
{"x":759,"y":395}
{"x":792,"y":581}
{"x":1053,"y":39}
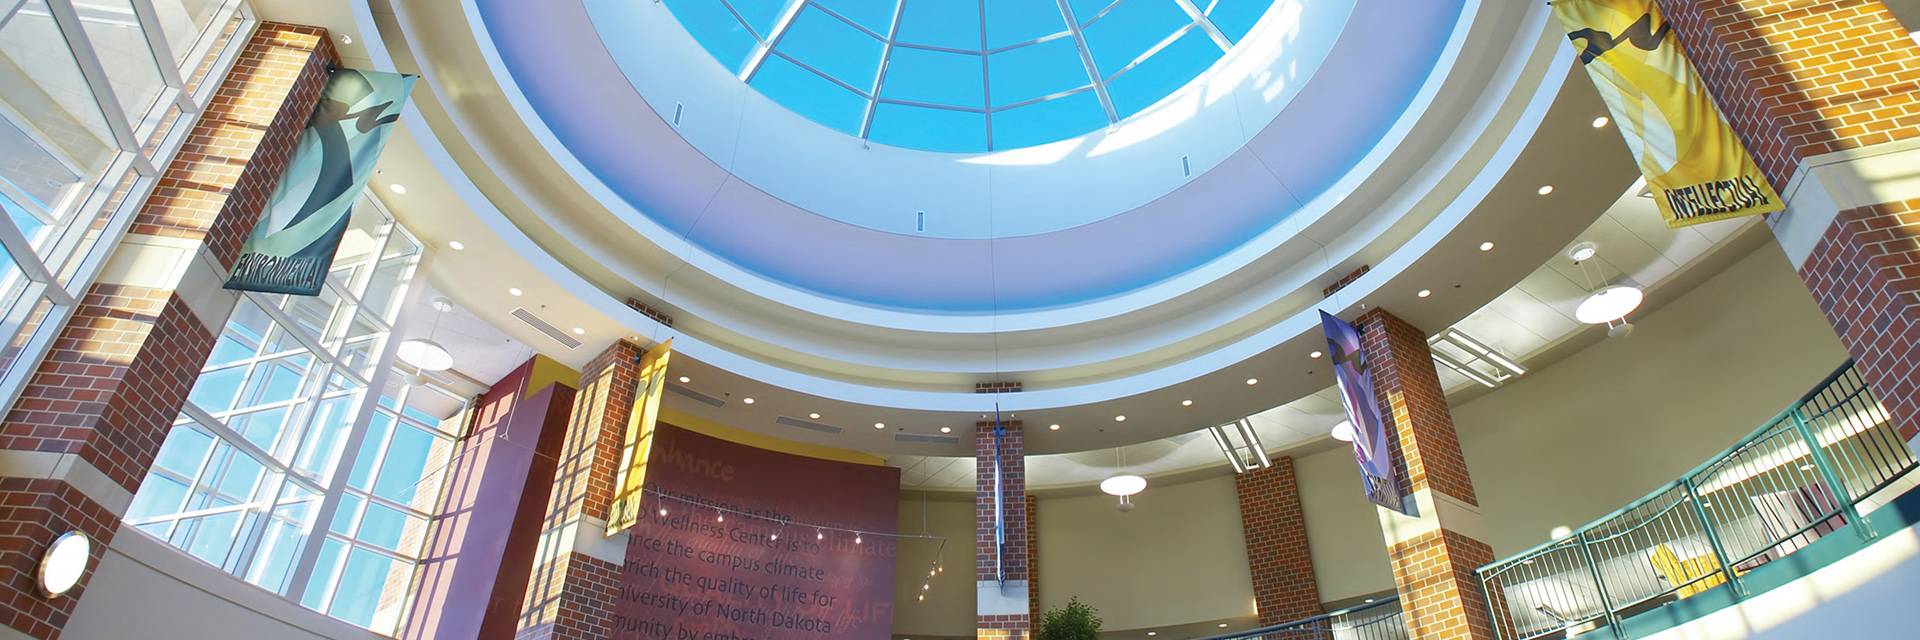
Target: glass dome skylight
{"x":967,"y":75}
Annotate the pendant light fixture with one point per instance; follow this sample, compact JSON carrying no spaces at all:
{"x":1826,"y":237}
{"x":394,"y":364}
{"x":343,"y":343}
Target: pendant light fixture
{"x":423,"y":353}
{"x":1123,"y":485}
{"x":1608,"y":305}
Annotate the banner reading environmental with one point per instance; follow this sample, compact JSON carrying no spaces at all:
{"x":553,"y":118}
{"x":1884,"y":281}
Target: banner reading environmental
{"x":744,"y":542}
{"x":1698,"y":170}
{"x":291,"y":249}
{"x":638,"y":447}
{"x":1355,"y":380}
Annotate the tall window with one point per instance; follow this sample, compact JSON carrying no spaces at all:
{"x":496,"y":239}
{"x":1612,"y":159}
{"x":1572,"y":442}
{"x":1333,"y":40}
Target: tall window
{"x":96,"y":96}
{"x":280,"y":472}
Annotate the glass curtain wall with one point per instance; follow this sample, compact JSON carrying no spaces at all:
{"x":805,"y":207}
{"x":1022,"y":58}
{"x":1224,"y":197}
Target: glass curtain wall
{"x":96,"y":96}
{"x":279,"y":471}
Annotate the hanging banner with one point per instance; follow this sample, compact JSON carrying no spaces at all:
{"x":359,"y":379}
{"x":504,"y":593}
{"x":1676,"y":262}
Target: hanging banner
{"x":292,"y":247}
{"x":639,"y":442}
{"x":1698,"y":170}
{"x":1370,"y":447}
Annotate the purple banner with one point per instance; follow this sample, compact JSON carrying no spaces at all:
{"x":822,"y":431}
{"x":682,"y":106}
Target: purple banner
{"x":1370,"y":446}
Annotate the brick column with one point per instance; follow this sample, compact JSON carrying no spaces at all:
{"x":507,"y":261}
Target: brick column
{"x":1284,"y":589}
{"x":1435,"y":551}
{"x":576,"y":569}
{"x":1002,"y":608}
{"x":78,"y":442}
{"x":1826,"y":95}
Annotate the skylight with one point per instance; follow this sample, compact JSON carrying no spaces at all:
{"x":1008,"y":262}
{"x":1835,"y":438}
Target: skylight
{"x":967,"y":75}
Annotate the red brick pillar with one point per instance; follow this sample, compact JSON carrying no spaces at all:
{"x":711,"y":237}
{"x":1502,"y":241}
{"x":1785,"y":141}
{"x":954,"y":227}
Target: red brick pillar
{"x":1002,"y":606}
{"x":576,"y":569}
{"x":1435,"y":551}
{"x":1826,"y":95}
{"x":76,"y":445}
{"x":1284,"y":589}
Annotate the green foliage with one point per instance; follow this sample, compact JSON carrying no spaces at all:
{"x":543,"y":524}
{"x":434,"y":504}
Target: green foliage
{"x":1076,"y":621}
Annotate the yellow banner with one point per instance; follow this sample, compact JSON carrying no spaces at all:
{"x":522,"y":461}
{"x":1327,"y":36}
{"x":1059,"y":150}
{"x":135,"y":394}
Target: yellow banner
{"x":625,"y":511}
{"x":1699,"y":171}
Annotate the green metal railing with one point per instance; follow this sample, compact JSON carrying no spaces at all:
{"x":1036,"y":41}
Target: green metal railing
{"x":1378,"y":620}
{"x":1796,"y":479}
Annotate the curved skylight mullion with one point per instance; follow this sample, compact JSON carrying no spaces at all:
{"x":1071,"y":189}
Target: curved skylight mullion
{"x":931,"y":105}
{"x":823,"y":8}
{"x":1051,"y":96}
{"x":767,"y":44}
{"x":986,"y":85}
{"x":880,"y":74}
{"x":1086,"y":58}
{"x":933,"y":47}
{"x":1040,"y":40}
{"x":1153,"y":50}
{"x":1200,"y":19}
{"x":823,"y":75}
{"x":816,"y":38}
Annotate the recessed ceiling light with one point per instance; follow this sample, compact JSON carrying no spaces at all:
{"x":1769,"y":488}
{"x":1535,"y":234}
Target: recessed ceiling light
{"x":1544,"y":189}
{"x":514,"y":291}
{"x":815,"y":416}
{"x":1223,"y":625}
{"x":747,"y":400}
{"x":879,"y":425}
{"x":1053,"y":427}
{"x":1186,"y":403}
{"x":684,"y":379}
{"x":397,"y":189}
{"x":1424,"y":293}
{"x":1119,"y":418}
{"x":1153,"y":633}
{"x":1253,"y":381}
{"x":946,"y":429}
{"x":1315,"y":355}
{"x":1600,"y":122}
{"x":579,"y":331}
{"x":1583,"y":252}
{"x":1486,"y":246}
{"x":457,"y":245}
{"x":1369,"y":601}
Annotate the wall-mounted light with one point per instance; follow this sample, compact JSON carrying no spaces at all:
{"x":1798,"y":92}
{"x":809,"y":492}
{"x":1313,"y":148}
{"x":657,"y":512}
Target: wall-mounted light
{"x":64,"y":563}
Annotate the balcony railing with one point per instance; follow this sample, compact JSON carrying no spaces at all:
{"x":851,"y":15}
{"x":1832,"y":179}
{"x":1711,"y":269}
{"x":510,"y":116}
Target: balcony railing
{"x":1373,"y":621}
{"x":1797,"y":479}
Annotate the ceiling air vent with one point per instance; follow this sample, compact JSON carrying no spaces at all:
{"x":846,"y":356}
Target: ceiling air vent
{"x":916,"y":438}
{"x":696,"y":396}
{"x":805,"y":424}
{"x":545,"y":327}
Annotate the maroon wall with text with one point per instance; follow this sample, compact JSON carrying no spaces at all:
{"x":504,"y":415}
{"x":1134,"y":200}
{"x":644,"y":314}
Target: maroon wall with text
{"x":760,"y":569}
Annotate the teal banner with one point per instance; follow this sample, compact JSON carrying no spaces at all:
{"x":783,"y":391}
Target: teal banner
{"x":291,"y":249}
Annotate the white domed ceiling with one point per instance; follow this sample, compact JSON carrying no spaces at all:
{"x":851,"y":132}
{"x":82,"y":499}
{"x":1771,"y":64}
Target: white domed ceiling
{"x":1208,"y":169}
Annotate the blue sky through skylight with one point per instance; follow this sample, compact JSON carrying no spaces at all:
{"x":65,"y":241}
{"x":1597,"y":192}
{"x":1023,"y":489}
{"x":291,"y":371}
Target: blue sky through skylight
{"x":967,"y":75}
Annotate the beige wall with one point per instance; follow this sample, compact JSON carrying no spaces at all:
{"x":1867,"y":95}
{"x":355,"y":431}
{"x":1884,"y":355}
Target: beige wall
{"x":1561,"y":446}
{"x":1573,"y":441}
{"x":948,"y":609}
{"x":1178,"y":557}
{"x":144,"y":588}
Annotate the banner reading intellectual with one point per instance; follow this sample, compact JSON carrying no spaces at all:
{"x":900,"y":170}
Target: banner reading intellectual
{"x":1698,"y":170}
{"x":291,"y":249}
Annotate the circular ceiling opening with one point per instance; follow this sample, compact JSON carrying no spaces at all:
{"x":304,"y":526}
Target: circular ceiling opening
{"x":967,"y":75}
